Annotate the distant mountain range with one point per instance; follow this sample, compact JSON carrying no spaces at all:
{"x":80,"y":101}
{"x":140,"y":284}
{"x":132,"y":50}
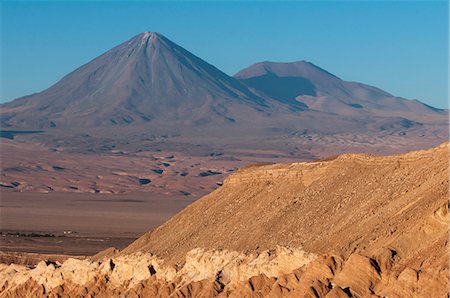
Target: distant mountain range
{"x":303,"y":83}
{"x":151,"y":83}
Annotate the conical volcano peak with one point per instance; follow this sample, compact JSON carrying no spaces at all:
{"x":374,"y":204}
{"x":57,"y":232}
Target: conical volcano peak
{"x":146,"y":37}
{"x":149,"y":35}
{"x":146,"y":78}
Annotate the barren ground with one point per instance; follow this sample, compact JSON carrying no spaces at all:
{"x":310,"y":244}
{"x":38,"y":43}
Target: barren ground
{"x":36,"y":222}
{"x":350,"y":226}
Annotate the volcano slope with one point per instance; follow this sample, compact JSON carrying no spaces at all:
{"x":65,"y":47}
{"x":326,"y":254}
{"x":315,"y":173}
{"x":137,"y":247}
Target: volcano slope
{"x":351,"y":226}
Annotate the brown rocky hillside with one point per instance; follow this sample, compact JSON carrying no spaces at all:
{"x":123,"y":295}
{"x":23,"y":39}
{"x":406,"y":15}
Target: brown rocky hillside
{"x":352,"y":226}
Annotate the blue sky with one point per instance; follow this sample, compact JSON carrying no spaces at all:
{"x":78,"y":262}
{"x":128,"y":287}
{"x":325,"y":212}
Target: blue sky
{"x":400,"y":47}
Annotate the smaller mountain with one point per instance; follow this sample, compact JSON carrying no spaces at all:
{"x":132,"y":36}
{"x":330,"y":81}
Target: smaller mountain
{"x":303,"y":84}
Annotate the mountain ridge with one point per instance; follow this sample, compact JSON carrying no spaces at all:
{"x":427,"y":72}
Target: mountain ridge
{"x":150,"y":85}
{"x":326,"y":92}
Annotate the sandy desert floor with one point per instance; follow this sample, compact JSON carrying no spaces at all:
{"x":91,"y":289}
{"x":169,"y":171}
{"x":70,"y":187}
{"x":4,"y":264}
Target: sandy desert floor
{"x":78,"y":223}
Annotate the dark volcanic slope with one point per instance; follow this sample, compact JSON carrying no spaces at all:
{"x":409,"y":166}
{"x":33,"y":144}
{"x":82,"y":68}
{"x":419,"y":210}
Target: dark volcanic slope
{"x":305,"y":84}
{"x":147,"y":78}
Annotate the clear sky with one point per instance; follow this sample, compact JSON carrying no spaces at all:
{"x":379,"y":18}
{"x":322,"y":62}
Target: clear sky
{"x":400,"y":47}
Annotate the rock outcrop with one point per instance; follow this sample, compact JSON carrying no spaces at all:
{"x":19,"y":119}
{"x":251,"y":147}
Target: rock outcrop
{"x":218,"y":271}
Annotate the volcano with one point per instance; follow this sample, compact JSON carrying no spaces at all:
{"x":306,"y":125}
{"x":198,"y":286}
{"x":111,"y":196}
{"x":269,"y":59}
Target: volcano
{"x":145,"y":79}
{"x":151,"y":84}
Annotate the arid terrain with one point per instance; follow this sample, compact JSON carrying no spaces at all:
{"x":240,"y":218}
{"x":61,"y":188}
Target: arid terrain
{"x":79,"y":223}
{"x":190,"y":166}
{"x":110,"y":196}
{"x":149,"y":172}
{"x":349,"y":226}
